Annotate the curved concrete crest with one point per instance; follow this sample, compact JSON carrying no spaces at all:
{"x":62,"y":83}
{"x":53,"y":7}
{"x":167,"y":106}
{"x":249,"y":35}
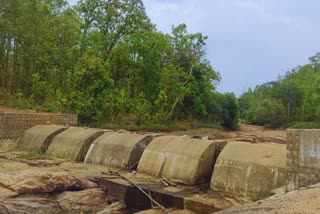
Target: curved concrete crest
{"x":38,"y":138}
{"x":73,"y":143}
{"x":188,"y":160}
{"x":121,"y":150}
{"x":244,"y":168}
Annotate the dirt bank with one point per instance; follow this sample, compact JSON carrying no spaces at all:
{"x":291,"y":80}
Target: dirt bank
{"x":304,"y":200}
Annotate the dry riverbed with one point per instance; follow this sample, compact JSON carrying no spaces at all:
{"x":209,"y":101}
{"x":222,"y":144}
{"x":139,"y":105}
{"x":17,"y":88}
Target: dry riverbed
{"x":35,"y":183}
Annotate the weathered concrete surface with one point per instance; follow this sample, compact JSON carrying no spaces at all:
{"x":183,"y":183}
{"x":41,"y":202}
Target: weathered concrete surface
{"x":303,"y":157}
{"x":243,"y":169}
{"x":38,"y":138}
{"x":73,"y":143}
{"x":180,"y":197}
{"x":188,"y":160}
{"x":121,"y":150}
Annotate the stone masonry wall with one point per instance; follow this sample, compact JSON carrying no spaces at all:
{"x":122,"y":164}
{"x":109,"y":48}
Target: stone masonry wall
{"x":12,"y":125}
{"x":303,"y":157}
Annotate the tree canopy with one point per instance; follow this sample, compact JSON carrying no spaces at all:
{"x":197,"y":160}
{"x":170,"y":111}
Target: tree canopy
{"x":293,"y":99}
{"x":106,"y":61}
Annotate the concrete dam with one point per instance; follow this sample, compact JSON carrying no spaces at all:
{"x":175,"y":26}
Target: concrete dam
{"x":236,"y":168}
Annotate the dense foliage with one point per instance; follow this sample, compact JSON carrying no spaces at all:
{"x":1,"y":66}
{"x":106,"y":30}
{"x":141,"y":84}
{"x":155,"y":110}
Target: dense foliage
{"x":105,"y":61}
{"x":292,"y":100}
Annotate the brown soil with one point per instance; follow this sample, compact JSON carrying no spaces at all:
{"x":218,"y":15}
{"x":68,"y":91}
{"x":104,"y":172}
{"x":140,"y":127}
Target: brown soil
{"x":4,"y":108}
{"x":246,"y":133}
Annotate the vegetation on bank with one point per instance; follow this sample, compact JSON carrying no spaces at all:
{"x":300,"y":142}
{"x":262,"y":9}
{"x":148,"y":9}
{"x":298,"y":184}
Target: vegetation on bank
{"x":107,"y":62}
{"x":291,"y":101}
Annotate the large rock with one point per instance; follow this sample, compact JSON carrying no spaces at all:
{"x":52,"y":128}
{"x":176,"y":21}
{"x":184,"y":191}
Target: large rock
{"x":243,"y":168}
{"x":38,"y":138}
{"x":188,"y":160}
{"x":88,"y":201}
{"x":37,"y":181}
{"x":29,"y":205}
{"x":73,"y":143}
{"x":121,"y":150}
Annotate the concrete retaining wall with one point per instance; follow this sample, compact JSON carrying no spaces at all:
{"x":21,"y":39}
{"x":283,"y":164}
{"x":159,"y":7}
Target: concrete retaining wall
{"x":121,"y":150}
{"x":243,"y":168}
{"x":13,"y":125}
{"x":38,"y":138}
{"x":303,"y":157}
{"x":188,"y":160}
{"x":73,"y":143}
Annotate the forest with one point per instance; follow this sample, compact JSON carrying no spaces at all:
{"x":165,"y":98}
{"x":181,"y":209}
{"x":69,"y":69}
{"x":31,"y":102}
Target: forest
{"x":105,"y":61}
{"x":291,"y":101}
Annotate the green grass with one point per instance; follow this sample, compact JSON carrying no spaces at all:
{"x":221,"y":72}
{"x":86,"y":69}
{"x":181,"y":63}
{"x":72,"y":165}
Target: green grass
{"x":151,"y":127}
{"x":304,"y":125}
{"x":34,"y":156}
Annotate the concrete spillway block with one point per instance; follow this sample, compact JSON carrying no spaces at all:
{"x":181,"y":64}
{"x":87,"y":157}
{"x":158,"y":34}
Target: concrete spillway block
{"x":303,"y":157}
{"x":188,"y":160}
{"x":243,"y":169}
{"x":121,"y":150}
{"x":38,"y":138}
{"x":73,"y":143}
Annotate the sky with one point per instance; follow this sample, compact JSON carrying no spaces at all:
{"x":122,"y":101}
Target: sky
{"x":250,"y":42}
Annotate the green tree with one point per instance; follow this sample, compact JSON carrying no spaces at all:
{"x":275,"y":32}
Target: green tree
{"x":230,"y":111}
{"x":267,"y":112}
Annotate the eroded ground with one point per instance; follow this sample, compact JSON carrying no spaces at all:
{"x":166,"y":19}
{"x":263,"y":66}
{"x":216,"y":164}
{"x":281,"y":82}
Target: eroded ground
{"x":37,"y":183}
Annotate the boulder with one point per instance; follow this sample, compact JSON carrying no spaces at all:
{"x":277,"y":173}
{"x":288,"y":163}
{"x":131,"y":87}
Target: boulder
{"x":37,"y":181}
{"x":86,"y":201}
{"x":29,"y":205}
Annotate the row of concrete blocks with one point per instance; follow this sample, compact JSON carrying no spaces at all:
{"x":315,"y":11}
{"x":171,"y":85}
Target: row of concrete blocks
{"x":242,"y":168}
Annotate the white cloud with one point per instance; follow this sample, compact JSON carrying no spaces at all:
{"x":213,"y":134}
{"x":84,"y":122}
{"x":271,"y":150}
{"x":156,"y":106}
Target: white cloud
{"x":250,"y":41}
